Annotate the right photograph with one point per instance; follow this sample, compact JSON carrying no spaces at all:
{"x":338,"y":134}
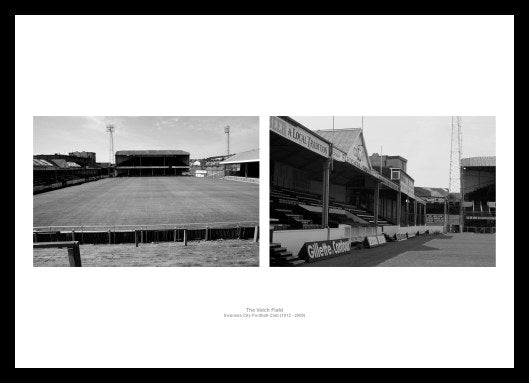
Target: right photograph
{"x":363,"y":191}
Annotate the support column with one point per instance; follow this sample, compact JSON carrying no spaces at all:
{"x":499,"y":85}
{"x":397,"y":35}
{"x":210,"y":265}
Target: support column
{"x":375,"y":203}
{"x":407,"y":211}
{"x":399,"y":208}
{"x":325,"y":193}
{"x":415,"y":213}
{"x":461,"y":207}
{"x":445,"y":225}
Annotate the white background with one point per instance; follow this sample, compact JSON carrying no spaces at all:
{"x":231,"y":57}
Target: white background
{"x":241,"y":65}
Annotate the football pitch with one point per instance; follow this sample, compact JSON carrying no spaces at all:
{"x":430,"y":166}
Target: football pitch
{"x":148,"y":201}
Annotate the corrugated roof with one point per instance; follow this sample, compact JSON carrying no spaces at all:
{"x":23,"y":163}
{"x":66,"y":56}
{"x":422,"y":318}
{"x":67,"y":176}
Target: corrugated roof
{"x":423,"y":191}
{"x":343,"y":139}
{"x":151,"y":153}
{"x":248,"y":156}
{"x":478,"y":161}
{"x":60,"y":162}
{"x":43,"y":163}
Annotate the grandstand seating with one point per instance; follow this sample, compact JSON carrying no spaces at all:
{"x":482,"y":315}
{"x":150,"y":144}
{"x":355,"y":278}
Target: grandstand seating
{"x":291,"y":209}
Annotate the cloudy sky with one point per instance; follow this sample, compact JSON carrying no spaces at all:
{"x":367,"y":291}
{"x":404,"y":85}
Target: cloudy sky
{"x":201,"y":136}
{"x":423,"y":141}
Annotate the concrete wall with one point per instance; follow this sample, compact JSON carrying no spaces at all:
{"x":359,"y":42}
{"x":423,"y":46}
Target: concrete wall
{"x":293,"y":240}
{"x":242,"y":179}
{"x":393,"y":229}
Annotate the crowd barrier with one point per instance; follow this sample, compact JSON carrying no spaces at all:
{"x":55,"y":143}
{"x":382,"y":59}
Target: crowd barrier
{"x":145,"y":235}
{"x":242,"y":179}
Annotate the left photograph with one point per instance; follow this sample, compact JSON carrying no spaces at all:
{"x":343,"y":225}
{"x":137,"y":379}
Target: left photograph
{"x":150,"y":191}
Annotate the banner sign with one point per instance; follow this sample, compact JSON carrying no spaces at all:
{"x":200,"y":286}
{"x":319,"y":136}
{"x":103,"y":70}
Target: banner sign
{"x":434,"y":199}
{"x":381,"y":239}
{"x":316,"y":251}
{"x":375,"y":240}
{"x":401,"y":237}
{"x":300,"y":136}
{"x":435,"y":219}
{"x":371,"y":241}
{"x":357,"y":160}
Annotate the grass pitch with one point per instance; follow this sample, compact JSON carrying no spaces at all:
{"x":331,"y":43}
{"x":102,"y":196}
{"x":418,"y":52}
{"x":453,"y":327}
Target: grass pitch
{"x":148,"y":201}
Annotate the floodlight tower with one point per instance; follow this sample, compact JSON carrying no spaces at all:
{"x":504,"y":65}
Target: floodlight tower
{"x":110,"y":130}
{"x":455,"y":183}
{"x":227,"y":131}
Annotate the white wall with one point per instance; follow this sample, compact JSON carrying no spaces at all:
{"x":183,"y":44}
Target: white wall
{"x":293,"y":240}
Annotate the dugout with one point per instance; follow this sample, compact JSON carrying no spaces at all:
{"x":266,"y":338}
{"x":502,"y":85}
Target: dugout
{"x":144,"y":163}
{"x":323,"y":180}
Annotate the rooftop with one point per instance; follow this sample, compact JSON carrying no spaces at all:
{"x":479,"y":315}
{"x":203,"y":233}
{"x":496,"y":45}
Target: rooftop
{"x":248,"y":156}
{"x":151,"y":153}
{"x":423,"y":191}
{"x":479,"y":162}
{"x":343,"y":139}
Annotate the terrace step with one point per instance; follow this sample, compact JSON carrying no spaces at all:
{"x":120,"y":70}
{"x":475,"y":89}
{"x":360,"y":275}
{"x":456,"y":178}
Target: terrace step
{"x":290,"y":258}
{"x":283,"y":254}
{"x":280,"y":226}
{"x":295,"y":216}
{"x":305,"y":221}
{"x":296,"y":262}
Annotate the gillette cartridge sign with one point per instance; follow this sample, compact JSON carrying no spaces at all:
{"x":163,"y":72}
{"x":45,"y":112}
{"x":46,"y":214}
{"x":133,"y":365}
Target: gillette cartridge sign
{"x":316,"y":251}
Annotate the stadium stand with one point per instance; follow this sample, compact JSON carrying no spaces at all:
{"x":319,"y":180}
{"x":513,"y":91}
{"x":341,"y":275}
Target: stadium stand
{"x":243,"y":166}
{"x":56,"y":171}
{"x":477,"y":211}
{"x":142,"y":163}
{"x":478,"y":192}
{"x":324,"y":187}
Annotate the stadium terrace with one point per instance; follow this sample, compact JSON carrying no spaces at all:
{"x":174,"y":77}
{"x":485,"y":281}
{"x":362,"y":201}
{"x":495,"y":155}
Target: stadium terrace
{"x":324,"y":186}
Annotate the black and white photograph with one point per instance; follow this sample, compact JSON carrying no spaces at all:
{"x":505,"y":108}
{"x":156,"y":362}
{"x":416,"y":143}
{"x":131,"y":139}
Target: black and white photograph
{"x":146,"y":191}
{"x":413,"y":200}
{"x":264,"y":191}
